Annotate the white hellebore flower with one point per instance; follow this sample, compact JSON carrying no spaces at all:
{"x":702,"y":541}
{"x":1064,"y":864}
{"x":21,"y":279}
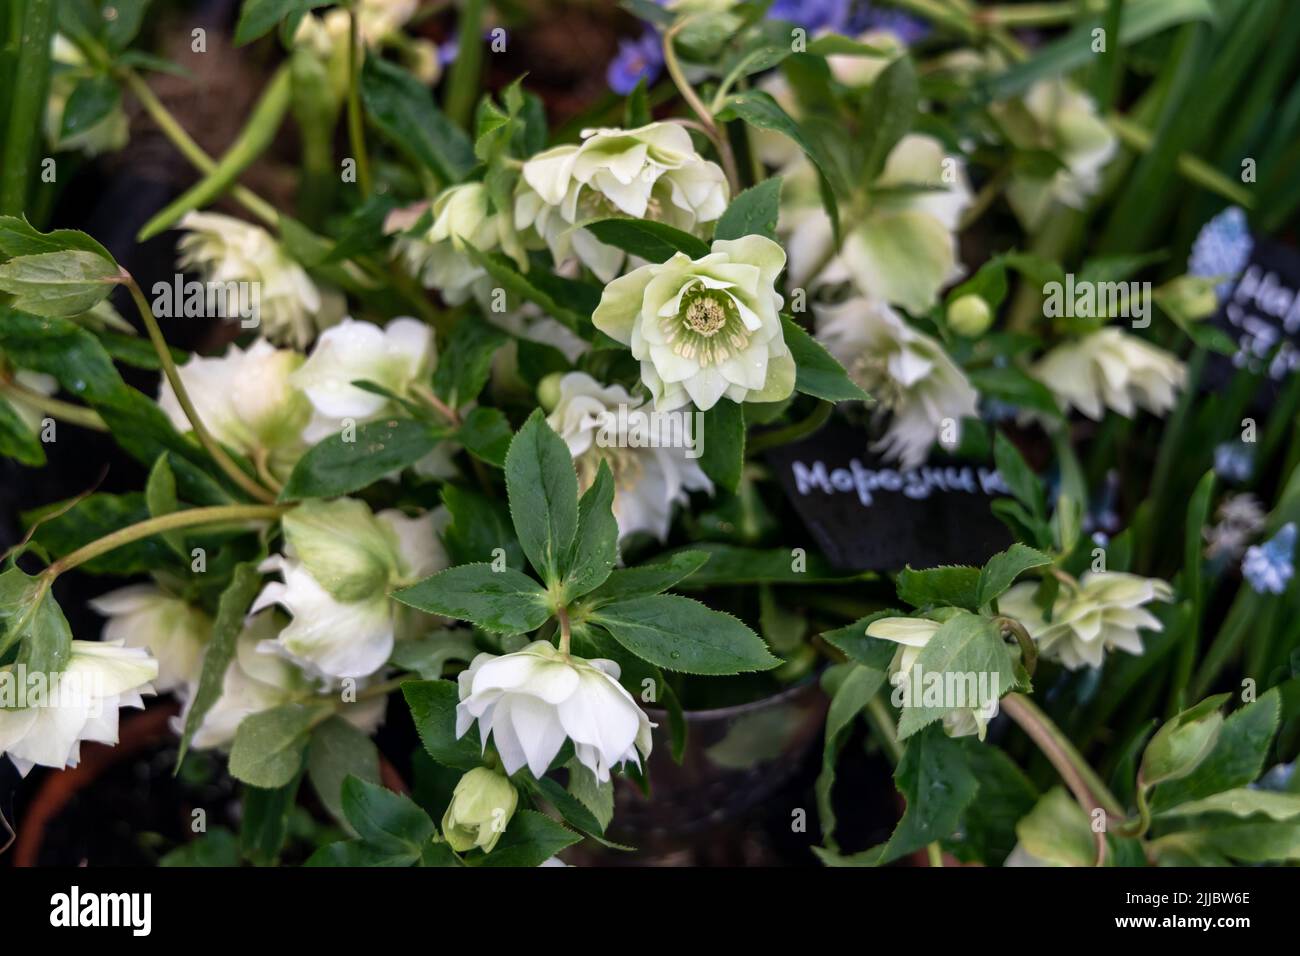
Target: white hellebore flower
{"x":652,"y":172}
{"x":903,"y":249}
{"x":290,"y":306}
{"x":245,"y":399}
{"x":531,"y":700}
{"x":256,"y":681}
{"x":172,"y":630}
{"x":908,"y":371}
{"x":912,"y":634}
{"x":81,"y":704}
{"x":395,"y":357}
{"x":1105,"y":611}
{"x":340,"y":563}
{"x":462,"y":215}
{"x":1112,"y":369}
{"x":648,"y":480}
{"x":705,"y":328}
{"x":1057,"y":117}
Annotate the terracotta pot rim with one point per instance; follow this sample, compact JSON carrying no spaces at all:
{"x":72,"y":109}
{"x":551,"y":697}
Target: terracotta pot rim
{"x":737,"y":710}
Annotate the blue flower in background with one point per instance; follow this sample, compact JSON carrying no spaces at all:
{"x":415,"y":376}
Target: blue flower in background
{"x":642,"y":57}
{"x":1270,"y":566}
{"x":1222,"y":248}
{"x":1233,"y":461}
{"x":907,"y":28}
{"x":813,"y":15}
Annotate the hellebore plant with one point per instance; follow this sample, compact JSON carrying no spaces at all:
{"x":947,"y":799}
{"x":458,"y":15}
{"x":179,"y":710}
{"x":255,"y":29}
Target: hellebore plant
{"x":423,"y":463}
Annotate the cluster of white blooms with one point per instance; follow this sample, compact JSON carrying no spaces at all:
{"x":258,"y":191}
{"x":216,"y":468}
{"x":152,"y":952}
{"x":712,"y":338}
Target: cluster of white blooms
{"x":264,"y":401}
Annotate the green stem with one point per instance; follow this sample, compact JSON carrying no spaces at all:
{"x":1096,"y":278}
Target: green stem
{"x":27,"y":105}
{"x":462,"y":87}
{"x":566,"y":634}
{"x":791,"y":433}
{"x":1028,"y":649}
{"x":169,"y":522}
{"x":191,"y":150}
{"x":1082,"y":780}
{"x":219,"y":455}
{"x":708,"y":124}
{"x":356,"y":124}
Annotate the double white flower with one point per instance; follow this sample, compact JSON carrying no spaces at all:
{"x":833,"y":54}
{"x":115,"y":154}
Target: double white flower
{"x":907,"y":371}
{"x":652,"y":172}
{"x":340,"y":563}
{"x":1057,"y":117}
{"x":462,"y":215}
{"x":705,"y":328}
{"x":1112,"y":369}
{"x":648,"y":481}
{"x":1105,"y":611}
{"x":224,"y":249}
{"x":394,"y":357}
{"x":532,"y":700}
{"x":246,"y":399}
{"x":82,"y":704}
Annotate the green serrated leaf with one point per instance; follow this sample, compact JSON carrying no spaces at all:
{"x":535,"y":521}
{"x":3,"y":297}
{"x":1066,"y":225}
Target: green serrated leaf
{"x":679,"y":634}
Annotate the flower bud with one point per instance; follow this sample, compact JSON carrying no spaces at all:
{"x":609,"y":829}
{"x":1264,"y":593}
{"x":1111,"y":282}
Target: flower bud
{"x":481,"y":807}
{"x":970,"y":316}
{"x":548,"y":391}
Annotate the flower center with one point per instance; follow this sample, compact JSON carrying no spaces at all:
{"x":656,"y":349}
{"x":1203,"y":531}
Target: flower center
{"x":706,"y":316}
{"x":708,"y":329}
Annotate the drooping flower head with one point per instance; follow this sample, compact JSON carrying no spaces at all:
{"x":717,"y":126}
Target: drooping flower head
{"x":705,"y":328}
{"x":394,"y":357}
{"x":912,"y":634}
{"x":340,"y":563}
{"x":648,"y":480}
{"x":907,"y":371}
{"x":82,"y":703}
{"x":1105,"y":611}
{"x":291,"y":307}
{"x":530,"y":701}
{"x":1111,"y":369}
